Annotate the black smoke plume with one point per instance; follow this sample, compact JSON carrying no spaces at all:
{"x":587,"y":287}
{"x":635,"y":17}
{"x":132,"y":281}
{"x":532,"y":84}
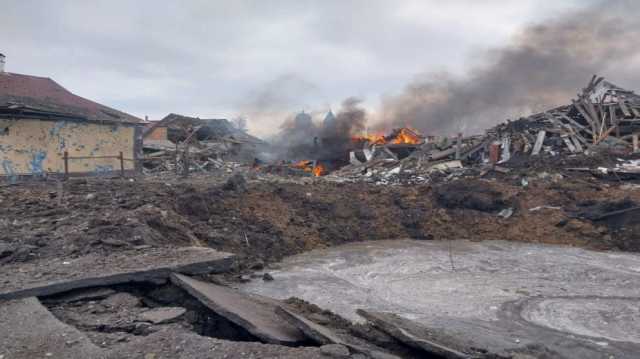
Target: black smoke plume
{"x":543,"y":67}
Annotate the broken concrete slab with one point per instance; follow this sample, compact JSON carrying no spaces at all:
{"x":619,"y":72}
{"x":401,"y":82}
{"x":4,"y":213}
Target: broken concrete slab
{"x":177,"y":343}
{"x":414,"y":335}
{"x":318,"y":333}
{"x":323,"y":335}
{"x":150,"y":265}
{"x":254,"y":313}
{"x":162,"y":315}
{"x":29,"y":331}
{"x":510,"y":336}
{"x":84,"y":294}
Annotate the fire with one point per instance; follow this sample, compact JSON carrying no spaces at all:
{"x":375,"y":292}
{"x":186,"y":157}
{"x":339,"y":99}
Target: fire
{"x":403,"y":135}
{"x":307,"y":166}
{"x":319,"y":170}
{"x":373,"y":139}
{"x":408,"y":136}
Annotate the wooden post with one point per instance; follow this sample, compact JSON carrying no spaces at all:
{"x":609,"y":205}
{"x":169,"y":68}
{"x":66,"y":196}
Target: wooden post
{"x":634,"y":139}
{"x":66,"y":164}
{"x":121,"y":158}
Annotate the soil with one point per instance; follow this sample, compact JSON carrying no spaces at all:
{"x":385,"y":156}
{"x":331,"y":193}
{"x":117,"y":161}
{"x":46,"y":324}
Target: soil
{"x":265,"y":221}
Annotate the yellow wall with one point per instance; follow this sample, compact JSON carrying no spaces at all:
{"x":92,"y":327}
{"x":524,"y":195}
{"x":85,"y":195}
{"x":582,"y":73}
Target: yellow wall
{"x":35,"y":146}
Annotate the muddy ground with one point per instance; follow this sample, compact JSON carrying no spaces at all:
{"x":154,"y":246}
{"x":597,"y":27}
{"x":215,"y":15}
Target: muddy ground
{"x":264,"y":218}
{"x":265,"y":221}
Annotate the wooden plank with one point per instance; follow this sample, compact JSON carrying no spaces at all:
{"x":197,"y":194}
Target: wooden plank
{"x":575,"y":123}
{"x":592,"y":110}
{"x":567,"y":142}
{"x":605,"y":135}
{"x":624,"y":109}
{"x":588,"y":118}
{"x":577,"y":143}
{"x":614,"y":119}
{"x":539,"y":141}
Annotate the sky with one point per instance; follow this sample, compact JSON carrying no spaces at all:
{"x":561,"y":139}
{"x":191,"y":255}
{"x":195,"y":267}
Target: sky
{"x":258,"y":59}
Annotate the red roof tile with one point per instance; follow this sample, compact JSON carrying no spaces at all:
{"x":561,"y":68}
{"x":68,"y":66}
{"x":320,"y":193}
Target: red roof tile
{"x":45,"y":94}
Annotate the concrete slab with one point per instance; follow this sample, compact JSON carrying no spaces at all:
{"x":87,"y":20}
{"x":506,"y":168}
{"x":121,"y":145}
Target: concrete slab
{"x":150,"y":265}
{"x":323,"y":335}
{"x":507,"y":337}
{"x":416,"y":336}
{"x":251,"y":312}
{"x":318,"y":333}
{"x":505,"y":296}
{"x":175,"y":344}
{"x":78,"y":295}
{"x":30,"y":331}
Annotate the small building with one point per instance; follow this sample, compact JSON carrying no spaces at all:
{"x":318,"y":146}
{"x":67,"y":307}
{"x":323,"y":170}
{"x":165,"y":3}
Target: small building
{"x":47,"y":130}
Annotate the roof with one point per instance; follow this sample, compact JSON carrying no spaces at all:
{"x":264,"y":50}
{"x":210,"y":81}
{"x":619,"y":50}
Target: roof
{"x":43,"y":94}
{"x":207,"y":128}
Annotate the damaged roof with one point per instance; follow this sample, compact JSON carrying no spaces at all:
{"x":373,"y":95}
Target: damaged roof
{"x":207,"y":128}
{"x":18,"y":92}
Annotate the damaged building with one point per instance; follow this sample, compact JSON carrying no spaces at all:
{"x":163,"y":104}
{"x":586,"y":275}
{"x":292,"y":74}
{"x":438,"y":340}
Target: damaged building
{"x":187,"y":144}
{"x":47,"y":130}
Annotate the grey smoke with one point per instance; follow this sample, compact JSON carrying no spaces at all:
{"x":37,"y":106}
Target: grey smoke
{"x":543,"y":67}
{"x":319,"y":135}
{"x":350,"y":121}
{"x":279,"y":94}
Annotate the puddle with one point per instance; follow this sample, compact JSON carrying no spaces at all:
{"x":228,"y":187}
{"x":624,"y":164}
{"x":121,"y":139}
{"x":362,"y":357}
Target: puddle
{"x":427,"y":280}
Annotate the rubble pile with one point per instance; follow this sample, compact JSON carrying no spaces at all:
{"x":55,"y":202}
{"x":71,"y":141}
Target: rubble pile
{"x":603,"y":118}
{"x":184,"y":144}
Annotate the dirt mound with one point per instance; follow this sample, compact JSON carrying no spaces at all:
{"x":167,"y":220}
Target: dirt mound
{"x":470,"y":194}
{"x":621,"y":218}
{"x":270,"y":220}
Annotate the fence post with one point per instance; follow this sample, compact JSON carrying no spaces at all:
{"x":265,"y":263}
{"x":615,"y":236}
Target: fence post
{"x":121,"y":158}
{"x":66,"y":165}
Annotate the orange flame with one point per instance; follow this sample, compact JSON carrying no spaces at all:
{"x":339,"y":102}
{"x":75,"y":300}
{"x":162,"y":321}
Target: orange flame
{"x":307,"y":166}
{"x":373,"y":139}
{"x":402,"y":136}
{"x":407,"y":136}
{"x":319,"y":170}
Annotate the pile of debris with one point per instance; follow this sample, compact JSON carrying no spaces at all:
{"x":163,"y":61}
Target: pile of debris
{"x":604,"y":118}
{"x":185,"y":144}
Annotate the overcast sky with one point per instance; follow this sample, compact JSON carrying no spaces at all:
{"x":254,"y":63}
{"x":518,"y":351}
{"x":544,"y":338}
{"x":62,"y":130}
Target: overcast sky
{"x":259,"y":58}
